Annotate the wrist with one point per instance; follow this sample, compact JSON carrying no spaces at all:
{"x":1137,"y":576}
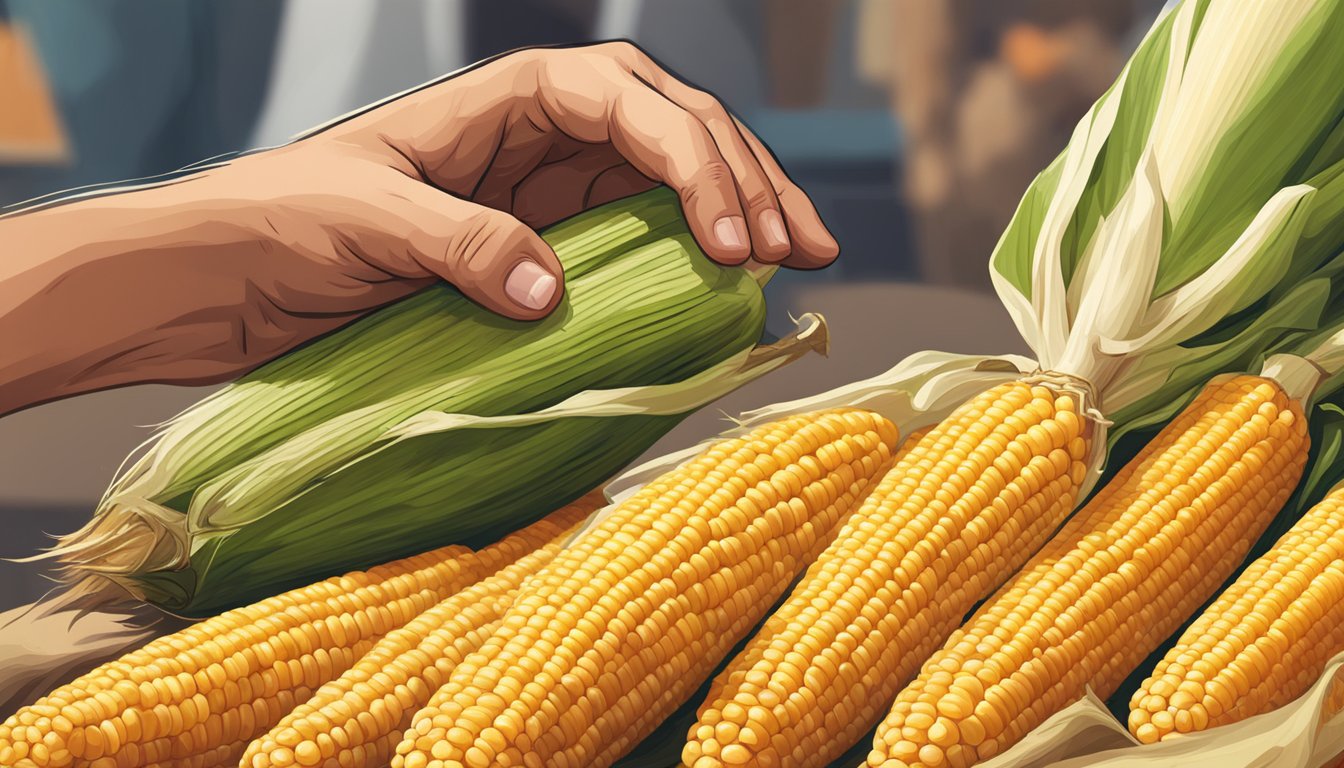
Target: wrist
{"x":112,"y":290}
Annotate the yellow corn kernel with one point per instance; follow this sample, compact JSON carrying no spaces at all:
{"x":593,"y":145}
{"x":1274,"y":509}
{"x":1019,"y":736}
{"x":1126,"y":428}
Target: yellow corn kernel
{"x":1116,"y":580}
{"x":611,"y":637}
{"x":963,"y":507}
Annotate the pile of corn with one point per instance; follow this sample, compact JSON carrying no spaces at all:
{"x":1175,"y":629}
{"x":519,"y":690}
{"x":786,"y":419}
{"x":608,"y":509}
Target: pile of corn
{"x":569,"y":641}
{"x":527,"y":652}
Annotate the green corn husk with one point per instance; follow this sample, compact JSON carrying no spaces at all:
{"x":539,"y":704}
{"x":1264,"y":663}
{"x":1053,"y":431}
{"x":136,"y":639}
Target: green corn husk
{"x":431,"y":421}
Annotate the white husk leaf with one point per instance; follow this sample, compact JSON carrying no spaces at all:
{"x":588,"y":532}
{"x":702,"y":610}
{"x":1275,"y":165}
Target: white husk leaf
{"x":652,"y":400}
{"x":1186,"y":311}
{"x":1043,"y":320}
{"x":1329,"y":354}
{"x":1220,"y":75}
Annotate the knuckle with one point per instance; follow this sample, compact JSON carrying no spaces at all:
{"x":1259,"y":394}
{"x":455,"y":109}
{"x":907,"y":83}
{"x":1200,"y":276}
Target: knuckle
{"x":712,"y":174}
{"x":691,"y":126}
{"x":623,"y":51}
{"x":531,"y":58}
{"x":474,"y":245}
{"x":758,"y":196}
{"x":527,"y":55}
{"x":618,"y":51}
{"x":706,"y":107}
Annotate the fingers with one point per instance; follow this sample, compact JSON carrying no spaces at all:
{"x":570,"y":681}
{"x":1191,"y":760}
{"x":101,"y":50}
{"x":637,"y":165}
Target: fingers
{"x":813,"y":246}
{"x":664,"y":141}
{"x":765,"y":222}
{"x":738,"y":202}
{"x":490,"y":256}
{"x":682,"y":138}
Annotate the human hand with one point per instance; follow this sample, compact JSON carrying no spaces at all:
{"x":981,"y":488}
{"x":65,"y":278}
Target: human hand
{"x":451,"y":180}
{"x":206,"y":277}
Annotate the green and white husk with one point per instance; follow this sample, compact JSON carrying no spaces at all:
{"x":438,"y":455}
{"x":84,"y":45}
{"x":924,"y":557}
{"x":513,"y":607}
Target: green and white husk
{"x":432,"y":421}
{"x":1202,"y":185}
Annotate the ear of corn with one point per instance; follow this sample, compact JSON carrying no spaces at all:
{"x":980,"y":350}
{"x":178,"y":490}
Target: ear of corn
{"x":663,"y":746}
{"x":1117,"y":579}
{"x":299,"y":471}
{"x":611,"y":637}
{"x":200,"y":695}
{"x":1262,"y":643}
{"x":357,"y":720}
{"x":960,"y":511}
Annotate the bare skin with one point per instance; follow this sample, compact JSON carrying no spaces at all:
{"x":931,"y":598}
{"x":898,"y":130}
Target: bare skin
{"x":204,"y":278}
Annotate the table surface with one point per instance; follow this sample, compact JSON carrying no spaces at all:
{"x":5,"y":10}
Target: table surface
{"x":56,"y":459}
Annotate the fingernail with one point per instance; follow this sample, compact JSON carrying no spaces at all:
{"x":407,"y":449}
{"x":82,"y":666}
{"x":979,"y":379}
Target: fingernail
{"x":731,"y":231}
{"x":528,"y":285}
{"x":772,"y":225}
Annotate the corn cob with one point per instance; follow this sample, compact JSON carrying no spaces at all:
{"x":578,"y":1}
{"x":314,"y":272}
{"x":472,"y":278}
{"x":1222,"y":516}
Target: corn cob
{"x":611,"y":637}
{"x":1116,"y":580}
{"x":711,"y":723}
{"x":1262,"y":643}
{"x":357,"y":719}
{"x":952,"y":519}
{"x":198,"y":696}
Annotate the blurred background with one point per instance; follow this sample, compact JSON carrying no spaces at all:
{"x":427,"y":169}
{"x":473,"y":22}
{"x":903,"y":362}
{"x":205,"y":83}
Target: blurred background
{"x":915,"y":125}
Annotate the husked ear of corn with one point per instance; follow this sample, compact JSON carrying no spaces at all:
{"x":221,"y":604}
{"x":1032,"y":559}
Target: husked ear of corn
{"x":1268,"y":637}
{"x":356,"y":720}
{"x":1262,"y":643}
{"x":625,"y":623}
{"x":197,"y":697}
{"x":1116,"y":580}
{"x":350,"y":451}
{"x":961,"y":510}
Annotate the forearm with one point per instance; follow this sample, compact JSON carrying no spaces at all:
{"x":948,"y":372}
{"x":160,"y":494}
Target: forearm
{"x":115,"y":290}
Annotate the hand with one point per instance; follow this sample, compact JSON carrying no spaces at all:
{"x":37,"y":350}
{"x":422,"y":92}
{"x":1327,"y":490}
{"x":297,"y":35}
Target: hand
{"x":206,"y":277}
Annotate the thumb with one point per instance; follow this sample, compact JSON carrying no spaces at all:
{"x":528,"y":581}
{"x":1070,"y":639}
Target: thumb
{"x":491,"y":257}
